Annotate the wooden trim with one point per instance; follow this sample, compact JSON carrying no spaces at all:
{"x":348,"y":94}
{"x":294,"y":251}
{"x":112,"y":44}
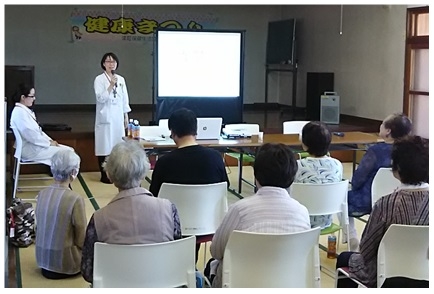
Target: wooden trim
{"x":419,"y":10}
{"x":423,"y":93}
{"x":82,"y":107}
{"x":422,"y":41}
{"x":412,"y":42}
{"x":407,"y":71}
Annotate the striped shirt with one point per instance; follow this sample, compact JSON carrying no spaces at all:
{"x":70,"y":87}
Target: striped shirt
{"x":404,"y":206}
{"x":60,"y":229}
{"x":270,"y":210}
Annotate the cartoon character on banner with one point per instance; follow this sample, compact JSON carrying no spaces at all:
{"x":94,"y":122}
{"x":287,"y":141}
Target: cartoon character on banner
{"x":76,"y":35}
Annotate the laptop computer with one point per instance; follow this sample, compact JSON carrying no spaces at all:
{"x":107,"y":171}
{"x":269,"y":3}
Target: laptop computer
{"x":209,"y":128}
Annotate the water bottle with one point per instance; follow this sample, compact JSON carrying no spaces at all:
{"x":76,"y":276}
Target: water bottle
{"x":130,"y":128}
{"x":331,"y":248}
{"x":136,"y":130}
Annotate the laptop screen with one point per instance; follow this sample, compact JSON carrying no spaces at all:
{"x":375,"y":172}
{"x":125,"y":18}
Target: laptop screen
{"x":209,"y":128}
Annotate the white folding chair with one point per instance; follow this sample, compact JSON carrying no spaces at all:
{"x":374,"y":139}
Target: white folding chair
{"x":242,"y":157}
{"x":260,"y":260}
{"x":294,"y":127}
{"x":384,"y":183}
{"x":324,"y":199}
{"x":201,"y":208}
{"x":17,"y":166}
{"x":403,"y":252}
{"x":159,"y":265}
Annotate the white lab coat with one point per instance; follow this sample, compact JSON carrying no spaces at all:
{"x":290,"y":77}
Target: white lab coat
{"x":36,"y":143}
{"x":110,"y":110}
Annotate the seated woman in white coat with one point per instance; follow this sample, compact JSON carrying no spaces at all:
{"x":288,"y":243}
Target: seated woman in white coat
{"x":37,"y":145}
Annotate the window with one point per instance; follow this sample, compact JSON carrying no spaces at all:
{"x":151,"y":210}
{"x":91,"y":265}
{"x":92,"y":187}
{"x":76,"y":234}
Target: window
{"x":416,"y":79}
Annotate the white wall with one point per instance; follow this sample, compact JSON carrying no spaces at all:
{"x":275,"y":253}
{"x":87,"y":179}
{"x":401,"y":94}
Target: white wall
{"x":65,"y":70}
{"x":367,"y":59}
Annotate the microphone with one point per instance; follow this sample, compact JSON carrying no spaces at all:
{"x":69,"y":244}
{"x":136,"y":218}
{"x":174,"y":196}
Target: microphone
{"x":113,"y":73}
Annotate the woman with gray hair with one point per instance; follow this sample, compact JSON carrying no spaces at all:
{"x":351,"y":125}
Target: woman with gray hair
{"x":61,"y":220}
{"x":134,"y":215}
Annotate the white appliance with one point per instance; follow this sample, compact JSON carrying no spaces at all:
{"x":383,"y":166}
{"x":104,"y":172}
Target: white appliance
{"x":330,"y":111}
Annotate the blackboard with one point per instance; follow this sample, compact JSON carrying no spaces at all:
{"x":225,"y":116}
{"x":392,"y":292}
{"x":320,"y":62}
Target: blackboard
{"x":281,"y":42}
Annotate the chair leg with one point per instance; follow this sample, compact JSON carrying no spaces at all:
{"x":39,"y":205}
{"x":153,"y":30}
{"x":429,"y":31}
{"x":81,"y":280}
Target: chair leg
{"x":348,"y":237}
{"x":16,"y":177}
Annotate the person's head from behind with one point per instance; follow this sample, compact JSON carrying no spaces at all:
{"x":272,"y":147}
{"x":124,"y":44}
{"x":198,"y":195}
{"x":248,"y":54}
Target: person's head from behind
{"x":127,"y":165}
{"x":275,"y":165}
{"x":316,"y":138}
{"x":25,"y":94}
{"x":410,"y":160}
{"x":395,"y":126}
{"x":65,"y":165}
{"x":182,"y":122}
{"x":109,"y":62}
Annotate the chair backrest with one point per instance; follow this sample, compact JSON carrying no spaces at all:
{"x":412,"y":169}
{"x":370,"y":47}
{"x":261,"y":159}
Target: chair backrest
{"x":403,"y":251}
{"x":241,"y":129}
{"x":164,"y":124}
{"x":201,"y":208}
{"x":322,"y":199}
{"x":293,"y":127}
{"x":158,"y":265}
{"x":260,"y":260}
{"x":383,"y":184}
{"x":18,"y":143}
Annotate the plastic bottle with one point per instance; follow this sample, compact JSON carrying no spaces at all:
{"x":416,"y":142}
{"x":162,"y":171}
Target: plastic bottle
{"x":130,"y":128}
{"x":136,"y":130}
{"x":331,"y":248}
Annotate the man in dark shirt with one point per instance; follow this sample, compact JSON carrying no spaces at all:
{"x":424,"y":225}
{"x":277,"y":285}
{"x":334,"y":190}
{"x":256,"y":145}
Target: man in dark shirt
{"x":190,"y":163}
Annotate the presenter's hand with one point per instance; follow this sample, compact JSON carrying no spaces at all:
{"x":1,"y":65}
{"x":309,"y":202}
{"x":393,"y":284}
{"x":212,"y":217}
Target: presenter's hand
{"x":113,"y":81}
{"x":125,"y":122}
{"x":53,"y":143}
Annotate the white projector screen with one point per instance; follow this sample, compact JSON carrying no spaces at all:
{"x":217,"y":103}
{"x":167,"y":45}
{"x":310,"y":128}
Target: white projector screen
{"x":199,"y":64}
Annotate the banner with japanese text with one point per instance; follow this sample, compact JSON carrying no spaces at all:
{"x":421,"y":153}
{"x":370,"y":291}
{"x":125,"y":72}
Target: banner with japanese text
{"x":94,"y":25}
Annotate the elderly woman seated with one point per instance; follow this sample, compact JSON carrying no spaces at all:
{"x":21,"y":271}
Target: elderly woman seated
{"x":407,"y":205}
{"x":134,"y":215}
{"x":61,"y":220}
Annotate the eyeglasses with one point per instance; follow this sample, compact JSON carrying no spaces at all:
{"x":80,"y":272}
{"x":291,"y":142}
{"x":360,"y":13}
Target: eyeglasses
{"x":110,"y":61}
{"x":31,"y":96}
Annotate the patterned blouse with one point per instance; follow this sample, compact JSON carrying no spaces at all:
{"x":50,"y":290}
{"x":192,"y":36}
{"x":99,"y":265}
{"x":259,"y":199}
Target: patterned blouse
{"x":319,"y":170}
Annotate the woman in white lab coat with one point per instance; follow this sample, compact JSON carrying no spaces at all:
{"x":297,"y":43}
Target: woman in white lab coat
{"x":112,"y":107}
{"x":37,"y":145}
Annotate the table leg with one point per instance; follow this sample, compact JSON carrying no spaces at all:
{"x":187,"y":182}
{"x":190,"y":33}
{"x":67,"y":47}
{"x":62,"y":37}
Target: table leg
{"x":354,"y":159}
{"x":240,"y":172}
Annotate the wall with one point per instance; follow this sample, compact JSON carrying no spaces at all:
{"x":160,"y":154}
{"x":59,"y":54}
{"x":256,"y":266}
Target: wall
{"x":367,"y":59}
{"x":40,"y":35}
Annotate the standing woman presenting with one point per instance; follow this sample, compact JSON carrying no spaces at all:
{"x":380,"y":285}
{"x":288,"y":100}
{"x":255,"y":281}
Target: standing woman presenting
{"x":112,"y":107}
